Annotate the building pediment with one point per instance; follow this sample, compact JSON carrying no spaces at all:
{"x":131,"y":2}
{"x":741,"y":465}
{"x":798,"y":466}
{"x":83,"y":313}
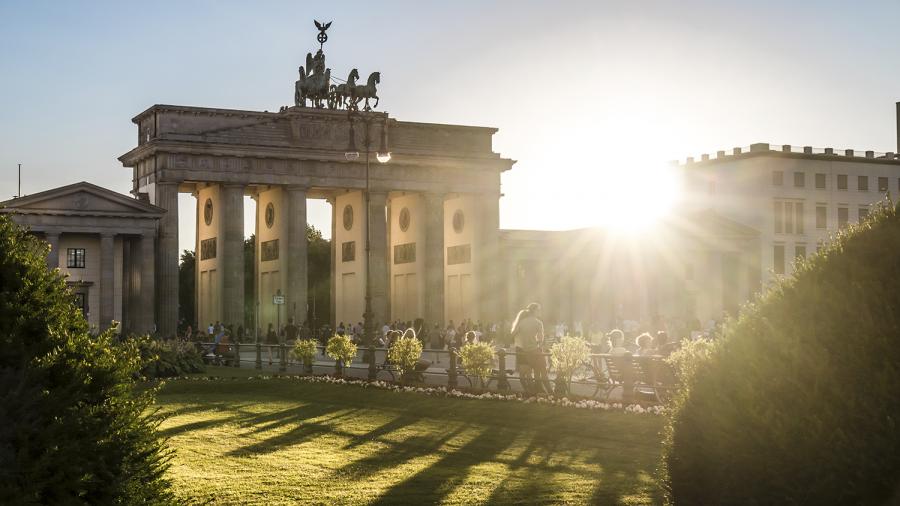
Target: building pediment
{"x":81,"y":199}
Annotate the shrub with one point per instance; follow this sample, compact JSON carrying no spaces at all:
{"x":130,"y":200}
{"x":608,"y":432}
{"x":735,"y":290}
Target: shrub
{"x":689,"y":356}
{"x":168,"y":359}
{"x":341,"y":348}
{"x":567,"y":355}
{"x":477,"y":359}
{"x":800,"y":401}
{"x":74,"y":424}
{"x":406,"y":352}
{"x":305,"y":350}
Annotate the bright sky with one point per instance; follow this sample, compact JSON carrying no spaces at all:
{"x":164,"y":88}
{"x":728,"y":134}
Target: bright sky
{"x":592,"y":98}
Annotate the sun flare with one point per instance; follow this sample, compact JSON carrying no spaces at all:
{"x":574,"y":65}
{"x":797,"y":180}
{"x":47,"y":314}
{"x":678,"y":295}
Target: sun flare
{"x":631,"y":197}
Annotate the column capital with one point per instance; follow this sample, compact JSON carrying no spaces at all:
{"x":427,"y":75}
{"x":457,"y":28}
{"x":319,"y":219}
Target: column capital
{"x":378,"y":196}
{"x":296,"y":187}
{"x":434,"y":195}
{"x":108,"y":235}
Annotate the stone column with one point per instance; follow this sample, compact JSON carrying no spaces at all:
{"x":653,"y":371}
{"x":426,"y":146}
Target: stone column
{"x":434,"y":259}
{"x":378,"y":267}
{"x":334,"y":262}
{"x":53,"y":257}
{"x":107,"y":279}
{"x":147,"y":314}
{"x":233,"y":254}
{"x":167,"y":260}
{"x":297,"y":248}
{"x":489,"y":270}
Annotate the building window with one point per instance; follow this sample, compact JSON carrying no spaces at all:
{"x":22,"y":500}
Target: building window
{"x":779,"y":217}
{"x":81,"y":302}
{"x":820,"y":181}
{"x":799,"y":179}
{"x":800,"y":251}
{"x":843,"y":216}
{"x":882,"y":184}
{"x":863,"y":214}
{"x":778,"y":178}
{"x":788,"y":217}
{"x":862,"y":182}
{"x":779,"y":259}
{"x":75,"y":258}
{"x":842,"y":181}
{"x":821,"y":217}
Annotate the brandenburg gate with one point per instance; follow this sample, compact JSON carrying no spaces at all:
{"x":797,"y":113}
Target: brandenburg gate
{"x":433,"y":214}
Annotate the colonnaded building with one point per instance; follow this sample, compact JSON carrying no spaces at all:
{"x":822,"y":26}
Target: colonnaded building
{"x":435,"y":247}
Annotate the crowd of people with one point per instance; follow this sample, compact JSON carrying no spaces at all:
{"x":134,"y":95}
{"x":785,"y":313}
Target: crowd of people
{"x":527,"y":335}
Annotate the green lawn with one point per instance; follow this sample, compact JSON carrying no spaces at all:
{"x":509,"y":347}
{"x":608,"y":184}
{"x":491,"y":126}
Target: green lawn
{"x":284,"y":442}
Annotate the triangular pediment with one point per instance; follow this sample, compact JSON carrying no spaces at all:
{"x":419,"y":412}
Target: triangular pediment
{"x":81,"y":198}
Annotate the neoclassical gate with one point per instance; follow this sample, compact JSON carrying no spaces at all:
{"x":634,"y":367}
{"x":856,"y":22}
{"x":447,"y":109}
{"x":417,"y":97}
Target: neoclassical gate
{"x":433,"y":211}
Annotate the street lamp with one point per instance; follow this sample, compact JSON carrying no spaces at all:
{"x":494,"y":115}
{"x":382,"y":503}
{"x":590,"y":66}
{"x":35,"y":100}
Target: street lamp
{"x":383,"y":156}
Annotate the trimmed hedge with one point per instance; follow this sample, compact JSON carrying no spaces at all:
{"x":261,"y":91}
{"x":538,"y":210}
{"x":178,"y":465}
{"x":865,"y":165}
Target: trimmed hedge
{"x":799,"y":402}
{"x":74,"y":427}
{"x":168,"y":359}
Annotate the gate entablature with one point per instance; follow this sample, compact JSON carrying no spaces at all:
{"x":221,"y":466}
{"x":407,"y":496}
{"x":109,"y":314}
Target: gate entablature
{"x":306,"y":146}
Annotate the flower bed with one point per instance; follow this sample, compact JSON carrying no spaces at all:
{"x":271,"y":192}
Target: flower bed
{"x":451,"y":392}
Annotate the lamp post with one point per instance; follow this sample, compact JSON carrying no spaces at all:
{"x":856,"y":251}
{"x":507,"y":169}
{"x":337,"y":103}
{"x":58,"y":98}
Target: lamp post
{"x":383,"y":156}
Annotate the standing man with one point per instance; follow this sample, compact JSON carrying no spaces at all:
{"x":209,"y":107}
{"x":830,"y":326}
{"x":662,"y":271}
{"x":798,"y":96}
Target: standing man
{"x":528,"y":334}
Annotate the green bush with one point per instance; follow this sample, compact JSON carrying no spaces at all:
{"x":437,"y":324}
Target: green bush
{"x":406,"y":352}
{"x":478,"y":360}
{"x":800,"y":401}
{"x":74,"y":424}
{"x":168,"y":359}
{"x":305,"y":350}
{"x":341,"y":348}
{"x":567,"y":355}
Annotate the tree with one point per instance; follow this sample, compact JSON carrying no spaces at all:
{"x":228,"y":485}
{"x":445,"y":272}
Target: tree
{"x":187,"y":291}
{"x":319,"y":277}
{"x":798,"y":403}
{"x":74,"y":422}
{"x":319,"y":281}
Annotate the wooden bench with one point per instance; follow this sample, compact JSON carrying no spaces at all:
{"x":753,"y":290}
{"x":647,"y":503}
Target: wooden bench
{"x":642,"y":378}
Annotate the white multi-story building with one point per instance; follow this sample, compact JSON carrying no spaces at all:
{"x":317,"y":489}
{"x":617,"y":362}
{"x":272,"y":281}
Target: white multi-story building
{"x":796,"y":198}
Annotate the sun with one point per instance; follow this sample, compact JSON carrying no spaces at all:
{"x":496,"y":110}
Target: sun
{"x":633,"y":197}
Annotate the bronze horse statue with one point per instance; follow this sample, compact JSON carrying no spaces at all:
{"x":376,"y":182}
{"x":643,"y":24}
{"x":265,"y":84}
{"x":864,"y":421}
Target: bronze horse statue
{"x":365,"y":92}
{"x":341,"y":93}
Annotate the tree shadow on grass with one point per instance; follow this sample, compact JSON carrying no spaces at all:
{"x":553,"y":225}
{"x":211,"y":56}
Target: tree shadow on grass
{"x":620,"y":477}
{"x":435,"y":482}
{"x":303,"y":431}
{"x":399,"y":453}
{"x":374,"y":434}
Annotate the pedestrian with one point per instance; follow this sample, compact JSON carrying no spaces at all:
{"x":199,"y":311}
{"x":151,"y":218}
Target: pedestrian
{"x":528,"y":334}
{"x":271,"y":340}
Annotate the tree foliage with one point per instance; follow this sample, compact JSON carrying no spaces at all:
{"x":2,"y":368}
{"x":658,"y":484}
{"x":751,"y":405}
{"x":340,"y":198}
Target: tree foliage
{"x":799,"y":402}
{"x":74,"y":426}
{"x":406,"y":351}
{"x":478,"y":359}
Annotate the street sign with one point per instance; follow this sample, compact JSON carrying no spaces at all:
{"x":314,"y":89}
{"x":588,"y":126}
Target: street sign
{"x":278,"y":299}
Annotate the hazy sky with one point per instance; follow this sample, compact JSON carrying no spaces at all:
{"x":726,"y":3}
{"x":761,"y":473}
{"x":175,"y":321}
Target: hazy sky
{"x":590,"y":97}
